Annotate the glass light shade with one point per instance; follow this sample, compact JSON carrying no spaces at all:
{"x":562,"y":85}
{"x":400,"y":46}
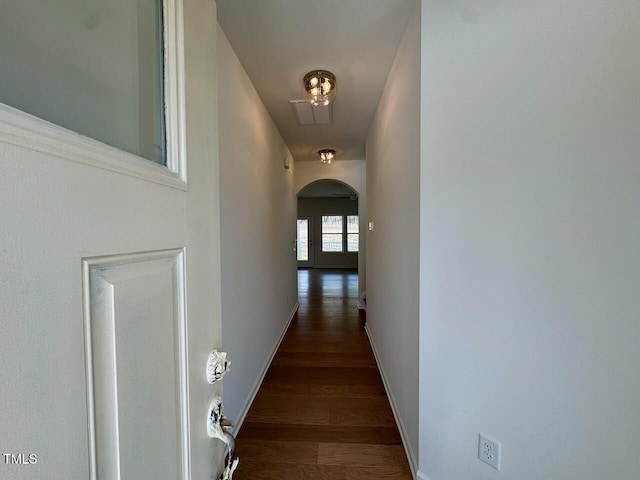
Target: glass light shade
{"x":326,"y":156}
{"x":319,"y":87}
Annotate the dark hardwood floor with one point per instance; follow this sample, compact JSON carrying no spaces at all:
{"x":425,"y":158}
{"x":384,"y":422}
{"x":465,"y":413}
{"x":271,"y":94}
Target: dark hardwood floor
{"x":322,"y":411}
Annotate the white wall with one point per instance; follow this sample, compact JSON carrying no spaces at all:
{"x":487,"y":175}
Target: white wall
{"x":530,"y":272}
{"x":258,"y":217}
{"x":353,"y":173}
{"x":393,"y":172}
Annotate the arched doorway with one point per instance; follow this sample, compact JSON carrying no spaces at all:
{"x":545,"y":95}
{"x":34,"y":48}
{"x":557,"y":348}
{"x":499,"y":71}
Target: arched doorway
{"x":328,"y":233}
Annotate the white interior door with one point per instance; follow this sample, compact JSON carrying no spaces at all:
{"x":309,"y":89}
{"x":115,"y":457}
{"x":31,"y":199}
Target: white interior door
{"x":109,"y":280}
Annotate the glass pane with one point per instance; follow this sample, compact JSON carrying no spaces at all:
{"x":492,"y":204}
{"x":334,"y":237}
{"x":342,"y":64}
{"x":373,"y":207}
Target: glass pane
{"x":90,"y":66}
{"x":332,"y":242}
{"x":303,"y":240}
{"x":332,"y":224}
{"x":352,"y":224}
{"x":352,"y":242}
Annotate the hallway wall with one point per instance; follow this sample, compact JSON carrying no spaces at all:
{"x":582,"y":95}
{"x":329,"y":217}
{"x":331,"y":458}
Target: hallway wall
{"x":257,"y":211}
{"x":393,"y":172}
{"x":529,"y":211}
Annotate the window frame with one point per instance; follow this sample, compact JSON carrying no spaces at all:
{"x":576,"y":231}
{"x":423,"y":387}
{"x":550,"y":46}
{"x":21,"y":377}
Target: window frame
{"x":299,"y":249}
{"x":357,"y":217}
{"x":344,"y":235}
{"x":24,"y":130}
{"x":322,"y":234}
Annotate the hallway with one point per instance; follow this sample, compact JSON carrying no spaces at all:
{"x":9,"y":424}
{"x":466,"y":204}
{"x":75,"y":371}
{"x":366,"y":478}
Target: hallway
{"x":322,"y":412}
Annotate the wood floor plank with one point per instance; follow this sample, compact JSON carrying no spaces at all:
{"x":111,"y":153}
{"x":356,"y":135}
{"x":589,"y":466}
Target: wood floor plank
{"x":385,"y":472}
{"x":362,"y":411}
{"x":360,"y":455}
{"x":274,"y":471}
{"x":313,"y":359}
{"x":316,"y":410}
{"x":325,"y":346}
{"x":322,"y":375}
{"x":334,"y":335}
{"x":288,"y":409}
{"x":352,"y":391}
{"x":270,"y":451}
{"x":320,"y":433}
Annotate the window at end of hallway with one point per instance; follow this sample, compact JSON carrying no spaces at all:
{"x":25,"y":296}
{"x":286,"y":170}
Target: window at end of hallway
{"x":338,"y":228}
{"x":353,"y":233}
{"x":332,"y":226}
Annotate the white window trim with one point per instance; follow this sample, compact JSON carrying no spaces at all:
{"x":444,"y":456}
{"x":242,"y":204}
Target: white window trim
{"x":24,"y":130}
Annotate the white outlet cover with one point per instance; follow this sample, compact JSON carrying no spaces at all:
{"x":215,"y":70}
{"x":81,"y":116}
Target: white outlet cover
{"x":489,"y":451}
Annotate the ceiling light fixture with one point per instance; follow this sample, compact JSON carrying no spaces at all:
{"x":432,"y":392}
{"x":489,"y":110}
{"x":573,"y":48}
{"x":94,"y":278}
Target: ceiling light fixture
{"x":319,"y":87}
{"x":326,"y":156}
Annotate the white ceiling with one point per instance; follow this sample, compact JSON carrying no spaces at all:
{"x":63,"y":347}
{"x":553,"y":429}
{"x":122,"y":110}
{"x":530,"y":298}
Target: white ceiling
{"x":279,"y":41}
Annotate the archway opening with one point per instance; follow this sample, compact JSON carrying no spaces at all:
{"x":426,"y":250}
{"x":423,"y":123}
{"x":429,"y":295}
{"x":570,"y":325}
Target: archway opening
{"x":328,"y":233}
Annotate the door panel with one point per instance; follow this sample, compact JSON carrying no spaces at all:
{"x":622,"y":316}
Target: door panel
{"x":136,"y":358}
{"x":55,"y":213}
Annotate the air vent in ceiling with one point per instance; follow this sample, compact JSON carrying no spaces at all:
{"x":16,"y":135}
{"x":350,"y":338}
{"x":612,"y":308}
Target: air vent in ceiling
{"x":306,"y":114}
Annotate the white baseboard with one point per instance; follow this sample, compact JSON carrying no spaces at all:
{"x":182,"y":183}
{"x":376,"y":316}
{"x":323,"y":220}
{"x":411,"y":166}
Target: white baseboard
{"x":423,"y":476}
{"x":403,"y":433}
{"x":258,"y":384}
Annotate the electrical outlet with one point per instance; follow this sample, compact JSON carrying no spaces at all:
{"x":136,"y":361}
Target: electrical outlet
{"x":489,"y":451}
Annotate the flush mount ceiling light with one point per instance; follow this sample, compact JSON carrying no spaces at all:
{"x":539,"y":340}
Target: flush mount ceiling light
{"x":319,"y":87}
{"x":326,"y":156}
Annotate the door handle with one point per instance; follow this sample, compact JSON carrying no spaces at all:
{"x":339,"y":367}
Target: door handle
{"x":229,"y":469}
{"x":219,"y":427}
{"x":230,"y":462}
